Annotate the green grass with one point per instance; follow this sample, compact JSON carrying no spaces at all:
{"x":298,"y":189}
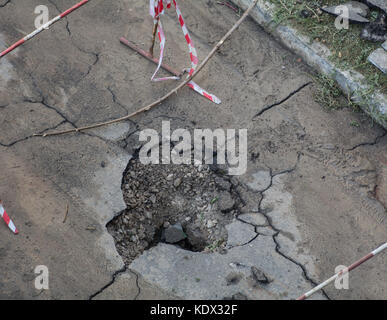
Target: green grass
{"x":349,"y":51}
{"x":328,"y":92}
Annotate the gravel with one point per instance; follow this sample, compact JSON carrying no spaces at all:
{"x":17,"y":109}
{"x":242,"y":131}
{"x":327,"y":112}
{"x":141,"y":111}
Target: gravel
{"x":182,"y":204}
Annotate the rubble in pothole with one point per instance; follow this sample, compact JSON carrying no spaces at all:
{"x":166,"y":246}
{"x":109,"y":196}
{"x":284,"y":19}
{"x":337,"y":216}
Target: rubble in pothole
{"x":185,"y":205}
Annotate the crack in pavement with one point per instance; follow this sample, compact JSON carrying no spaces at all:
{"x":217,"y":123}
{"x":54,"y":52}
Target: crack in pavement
{"x":32,"y":136}
{"x":270,"y":224}
{"x":375,"y":142}
{"x":137,"y":284}
{"x":115,"y":101}
{"x":95,"y":54}
{"x":277,"y":231}
{"x":114,"y":276}
{"x":4,"y":4}
{"x":282,"y":101}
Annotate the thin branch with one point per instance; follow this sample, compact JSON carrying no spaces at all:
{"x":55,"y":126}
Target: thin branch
{"x":165,"y":97}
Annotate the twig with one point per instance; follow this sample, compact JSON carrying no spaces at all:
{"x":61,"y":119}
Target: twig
{"x":228,"y":5}
{"x":67,"y":212}
{"x":284,"y":5}
{"x":318,"y":18}
{"x":165,"y":97}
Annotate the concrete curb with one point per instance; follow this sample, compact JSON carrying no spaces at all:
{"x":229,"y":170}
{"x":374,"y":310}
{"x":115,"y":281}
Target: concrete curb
{"x":316,"y":55}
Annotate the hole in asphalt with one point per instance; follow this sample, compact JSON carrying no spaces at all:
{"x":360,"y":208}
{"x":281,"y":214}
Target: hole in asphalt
{"x":183,"y":205}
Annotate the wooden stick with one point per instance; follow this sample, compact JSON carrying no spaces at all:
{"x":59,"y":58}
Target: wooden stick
{"x":155,"y":26}
{"x":148,"y":56}
{"x":166,"y":96}
{"x":66,"y":213}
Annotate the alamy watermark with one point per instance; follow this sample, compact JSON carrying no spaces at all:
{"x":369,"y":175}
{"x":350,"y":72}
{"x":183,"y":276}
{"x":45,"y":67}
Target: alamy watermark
{"x":197,"y":149}
{"x":42,"y":278}
{"x":342,"y":12}
{"x":43,"y":16}
{"x":342,"y":281}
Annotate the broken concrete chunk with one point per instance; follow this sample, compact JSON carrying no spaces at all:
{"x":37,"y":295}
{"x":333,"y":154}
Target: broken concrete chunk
{"x":225,"y":202}
{"x":379,"y":59}
{"x":259,"y":181}
{"x":174,"y":233}
{"x":357,"y":11}
{"x":376,"y":31}
{"x":384,"y":45}
{"x":381,"y":4}
{"x":222,"y":184}
{"x":259,"y":275}
{"x":239,"y":233}
{"x":256,"y":219}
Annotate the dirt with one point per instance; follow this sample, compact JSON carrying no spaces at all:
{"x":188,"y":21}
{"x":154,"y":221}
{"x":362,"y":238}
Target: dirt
{"x":158,"y":196}
{"x":324,"y":204}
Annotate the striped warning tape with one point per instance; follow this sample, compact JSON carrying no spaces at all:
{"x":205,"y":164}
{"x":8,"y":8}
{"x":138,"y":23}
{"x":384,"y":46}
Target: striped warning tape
{"x":156,"y":10}
{"x":7,"y":220}
{"x":339,"y":274}
{"x":43,"y":27}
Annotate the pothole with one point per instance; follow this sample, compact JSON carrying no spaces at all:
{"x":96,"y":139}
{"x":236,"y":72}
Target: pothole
{"x":185,"y":205}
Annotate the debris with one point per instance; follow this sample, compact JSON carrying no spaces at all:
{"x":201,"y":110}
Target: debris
{"x":237,"y":296}
{"x":259,"y":275}
{"x":177,"y":182}
{"x":341,"y":273}
{"x":7,"y":220}
{"x":222,"y":184}
{"x":379,"y":59}
{"x":357,"y":11}
{"x":305,"y":13}
{"x":166,"y":224}
{"x":225,"y":202}
{"x":42,"y":28}
{"x":66,"y":213}
{"x":376,"y":31}
{"x":211,"y":223}
{"x":169,"y":94}
{"x":174,"y":234}
{"x":384,"y":45}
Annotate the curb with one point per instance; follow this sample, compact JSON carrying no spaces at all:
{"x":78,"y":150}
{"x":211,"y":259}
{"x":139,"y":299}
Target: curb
{"x":317,"y":55}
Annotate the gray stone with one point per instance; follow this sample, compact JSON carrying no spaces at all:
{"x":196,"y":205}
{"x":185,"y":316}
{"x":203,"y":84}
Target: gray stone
{"x":174,"y":233}
{"x":357,"y":11}
{"x":259,"y":275}
{"x":384,"y":45}
{"x":225,"y":202}
{"x":379,"y":59}
{"x":256,"y":219}
{"x":381,"y":4}
{"x":239,"y":233}
{"x":177,"y":182}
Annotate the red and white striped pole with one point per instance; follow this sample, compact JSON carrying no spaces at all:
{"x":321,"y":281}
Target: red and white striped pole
{"x":7,"y":220}
{"x":339,"y":274}
{"x":43,"y":27}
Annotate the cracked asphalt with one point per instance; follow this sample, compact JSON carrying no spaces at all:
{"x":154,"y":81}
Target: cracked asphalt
{"x":322,"y":204}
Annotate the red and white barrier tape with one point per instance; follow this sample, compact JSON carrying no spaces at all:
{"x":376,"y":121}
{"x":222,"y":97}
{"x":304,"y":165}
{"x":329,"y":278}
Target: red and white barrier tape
{"x":7,"y":220}
{"x":339,"y":274}
{"x":156,"y":10}
{"x":43,"y":27}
